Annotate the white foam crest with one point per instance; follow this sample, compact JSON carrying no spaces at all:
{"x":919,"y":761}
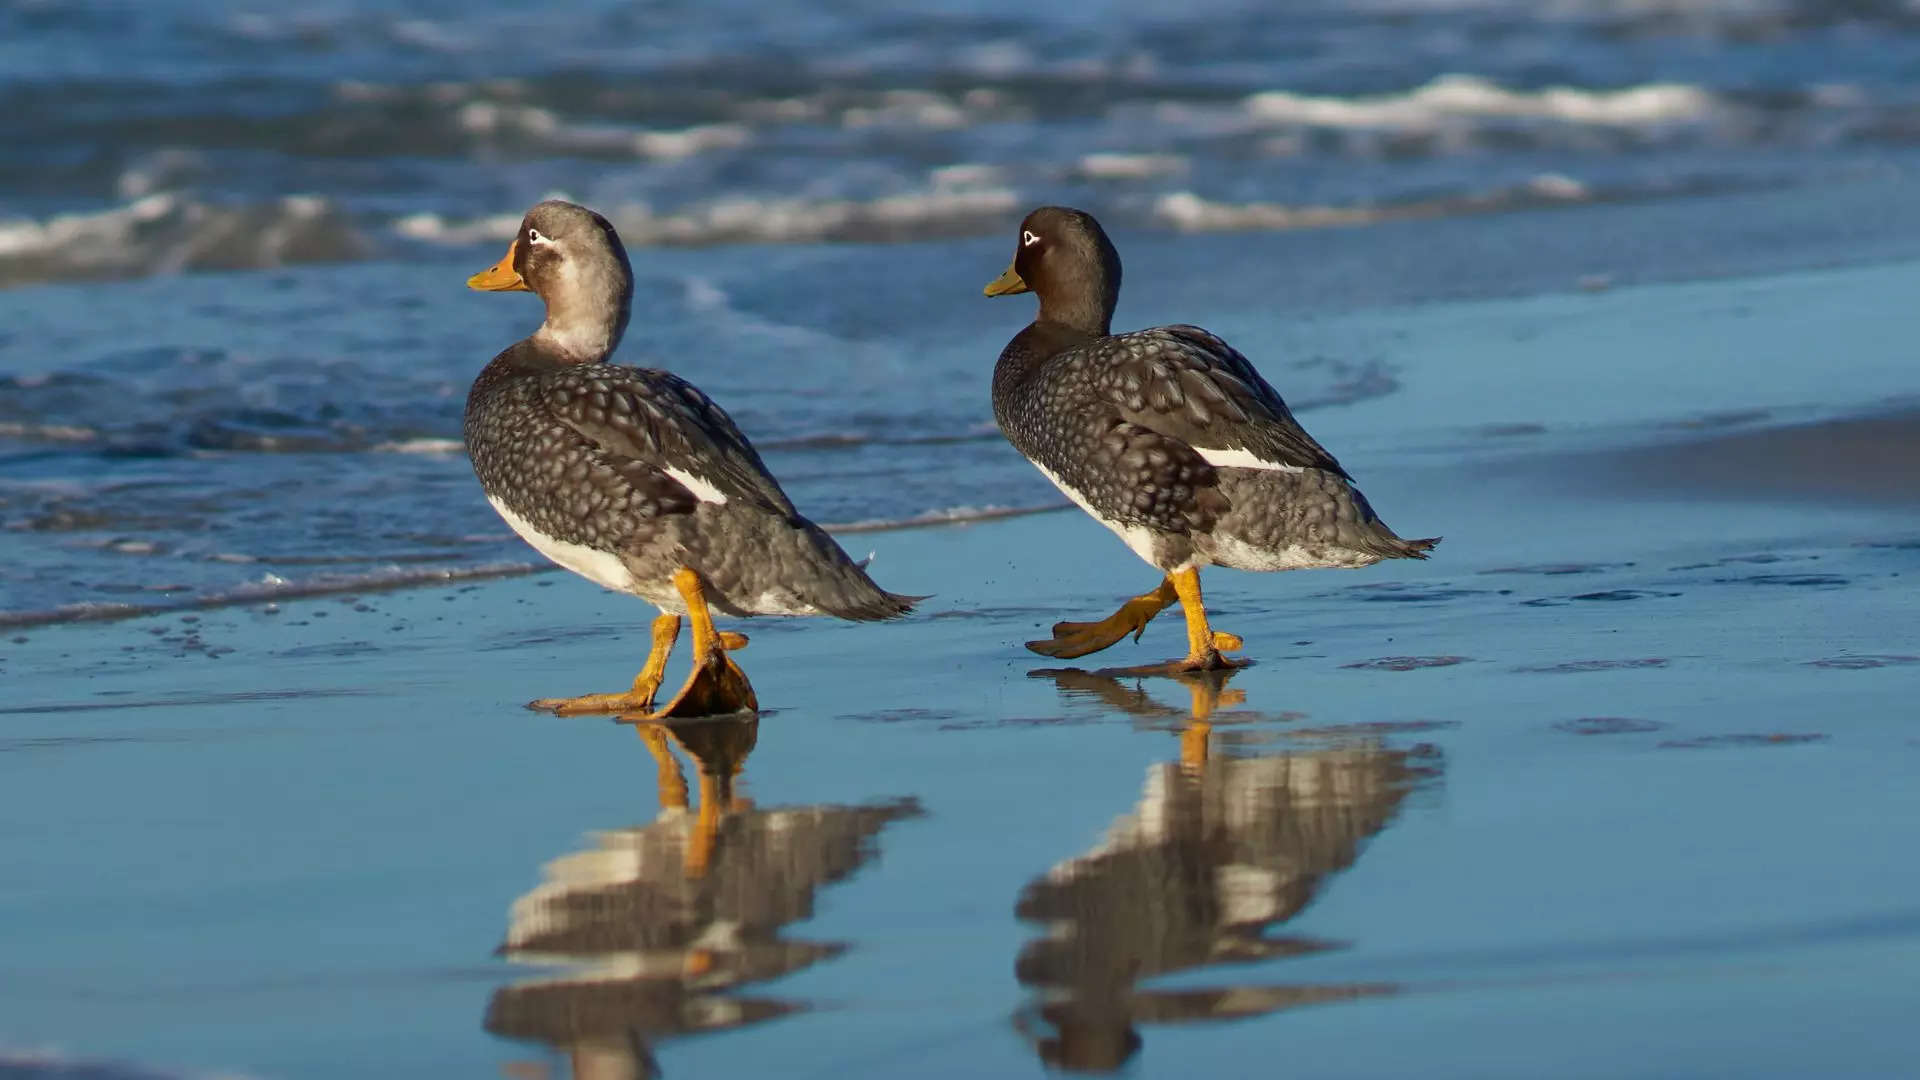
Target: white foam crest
{"x":492,"y":119}
{"x":69,"y":433}
{"x":923,"y":109}
{"x":169,"y":232}
{"x":966,"y":174}
{"x":435,"y":229}
{"x":163,"y":170}
{"x":1452,"y":99}
{"x":1112,"y":166}
{"x":900,"y":109}
{"x":272,"y":587}
{"x":1188,"y":212}
{"x":952,"y":515}
{"x":750,"y":220}
{"x":422,"y":445}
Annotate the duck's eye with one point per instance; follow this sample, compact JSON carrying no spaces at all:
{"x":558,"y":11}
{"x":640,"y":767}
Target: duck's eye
{"x":534,"y":236}
{"x":1028,"y":238}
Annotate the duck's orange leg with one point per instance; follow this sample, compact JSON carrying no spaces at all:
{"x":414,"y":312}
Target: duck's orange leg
{"x":1204,"y":644}
{"x":716,"y":685}
{"x":666,"y":630}
{"x":1071,"y":639}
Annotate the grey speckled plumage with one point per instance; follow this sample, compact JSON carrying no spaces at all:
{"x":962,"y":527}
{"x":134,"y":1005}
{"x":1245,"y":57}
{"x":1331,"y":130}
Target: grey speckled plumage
{"x":624,"y":474}
{"x":1168,"y":436}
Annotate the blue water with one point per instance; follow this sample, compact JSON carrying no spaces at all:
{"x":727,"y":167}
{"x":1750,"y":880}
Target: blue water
{"x":265,"y":426}
{"x":1584,"y":836}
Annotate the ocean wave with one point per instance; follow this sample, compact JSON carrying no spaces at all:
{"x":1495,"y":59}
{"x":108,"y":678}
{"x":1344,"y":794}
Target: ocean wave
{"x":542,"y":130}
{"x":1188,"y":212}
{"x":43,"y":1064}
{"x":1469,"y":113}
{"x":751,"y":156}
{"x":956,"y":515}
{"x":1458,"y":109}
{"x":1115,"y":166}
{"x":421,"y":445}
{"x":1465,"y":99}
{"x":168,"y":232}
{"x":631,"y":118}
{"x":26,"y":431}
{"x":772,"y":220}
{"x":273,"y":588}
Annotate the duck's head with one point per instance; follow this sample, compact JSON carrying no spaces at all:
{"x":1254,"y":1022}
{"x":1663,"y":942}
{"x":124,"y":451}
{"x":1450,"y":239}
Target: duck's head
{"x":572,"y":259}
{"x":1064,"y":257}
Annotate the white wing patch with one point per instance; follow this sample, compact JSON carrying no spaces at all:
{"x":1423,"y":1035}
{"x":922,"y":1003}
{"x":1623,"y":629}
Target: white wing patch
{"x":600,"y":567}
{"x":702,"y":488}
{"x":1241,"y":459}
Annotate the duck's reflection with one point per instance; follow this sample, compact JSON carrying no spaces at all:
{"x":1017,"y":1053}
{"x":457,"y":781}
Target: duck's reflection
{"x":659,"y":924}
{"x":1221,"y":848}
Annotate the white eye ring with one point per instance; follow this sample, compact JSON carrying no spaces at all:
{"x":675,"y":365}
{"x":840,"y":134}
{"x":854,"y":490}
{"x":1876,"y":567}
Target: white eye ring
{"x":534,"y":237}
{"x":1028,"y":239}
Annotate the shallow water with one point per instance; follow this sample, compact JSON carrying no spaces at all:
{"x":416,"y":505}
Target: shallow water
{"x":272,"y":428}
{"x":1618,"y":784}
{"x":181,"y":442}
{"x":1480,"y":818}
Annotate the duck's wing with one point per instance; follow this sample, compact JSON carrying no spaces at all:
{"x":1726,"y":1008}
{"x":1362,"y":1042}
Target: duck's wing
{"x":647,"y":424}
{"x":1189,"y":385}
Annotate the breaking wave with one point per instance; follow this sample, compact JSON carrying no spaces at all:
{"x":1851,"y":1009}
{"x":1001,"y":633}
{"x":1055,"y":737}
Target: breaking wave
{"x":1468,"y":102}
{"x":1188,"y":212}
{"x":273,"y":589}
{"x":746,"y":220}
{"x":167,"y":232}
{"x":781,"y":159}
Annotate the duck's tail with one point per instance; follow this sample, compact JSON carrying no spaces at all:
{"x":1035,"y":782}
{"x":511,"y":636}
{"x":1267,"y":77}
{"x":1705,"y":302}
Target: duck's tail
{"x":1413,"y":549}
{"x":840,"y":586}
{"x":1378,"y":540}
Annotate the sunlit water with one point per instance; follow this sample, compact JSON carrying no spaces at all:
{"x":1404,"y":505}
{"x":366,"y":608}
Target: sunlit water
{"x":279,"y":429}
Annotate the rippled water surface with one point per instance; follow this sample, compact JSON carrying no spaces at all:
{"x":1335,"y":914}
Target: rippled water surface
{"x":274,"y":428}
{"x":175,"y":134}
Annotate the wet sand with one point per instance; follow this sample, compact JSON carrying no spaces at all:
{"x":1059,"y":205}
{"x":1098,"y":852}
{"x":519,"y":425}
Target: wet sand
{"x":1868,"y":458}
{"x":1618,"y":784}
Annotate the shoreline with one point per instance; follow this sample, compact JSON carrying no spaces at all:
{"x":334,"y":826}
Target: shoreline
{"x":1871,"y":457}
{"x":107,"y":611}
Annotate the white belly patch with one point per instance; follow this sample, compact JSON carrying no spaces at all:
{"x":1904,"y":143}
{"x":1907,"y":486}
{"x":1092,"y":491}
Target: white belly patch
{"x":600,"y":567}
{"x":1138,"y":537}
{"x":1233,"y":552}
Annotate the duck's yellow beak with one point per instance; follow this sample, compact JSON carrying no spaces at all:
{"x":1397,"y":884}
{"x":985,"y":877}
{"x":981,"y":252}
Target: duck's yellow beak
{"x":500,"y":277}
{"x":1006,"y":284}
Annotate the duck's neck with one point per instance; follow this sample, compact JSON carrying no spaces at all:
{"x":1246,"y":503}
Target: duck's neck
{"x":1087,"y":311}
{"x":581,"y":337}
{"x":1042,"y":340}
{"x":586,"y":317}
